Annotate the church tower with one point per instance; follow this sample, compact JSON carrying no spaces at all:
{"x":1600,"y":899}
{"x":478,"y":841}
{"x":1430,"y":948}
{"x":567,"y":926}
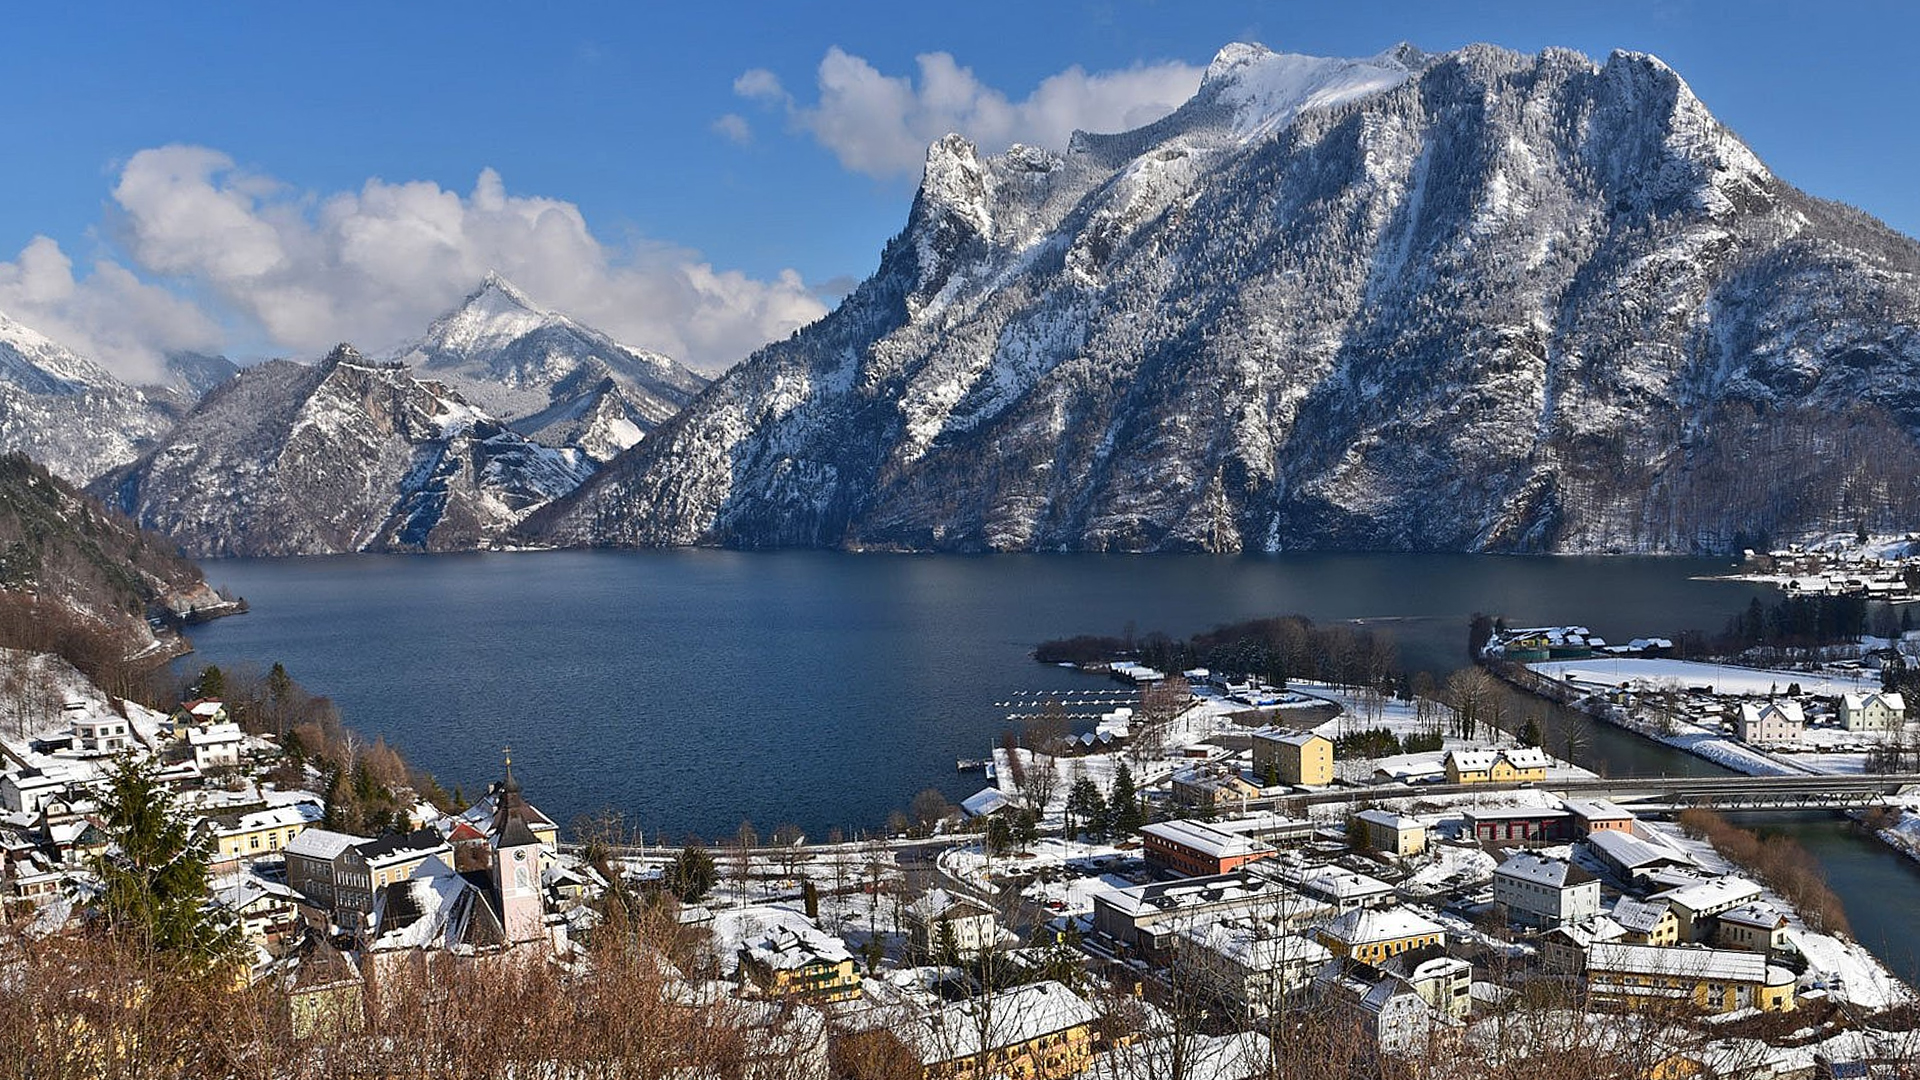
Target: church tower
{"x":516,"y":864}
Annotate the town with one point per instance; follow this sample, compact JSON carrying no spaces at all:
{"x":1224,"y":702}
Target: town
{"x":1222,"y":878}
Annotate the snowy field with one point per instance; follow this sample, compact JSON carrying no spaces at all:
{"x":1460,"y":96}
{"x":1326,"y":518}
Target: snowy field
{"x":1723,"y":678}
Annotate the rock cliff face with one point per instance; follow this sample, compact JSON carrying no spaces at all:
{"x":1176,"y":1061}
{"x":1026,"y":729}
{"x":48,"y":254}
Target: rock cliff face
{"x":66,"y":412}
{"x":287,"y":459}
{"x":550,"y":378}
{"x":1476,"y":301}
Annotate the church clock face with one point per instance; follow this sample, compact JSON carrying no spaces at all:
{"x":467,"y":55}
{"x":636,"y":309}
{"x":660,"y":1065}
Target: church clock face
{"x":520,"y":880}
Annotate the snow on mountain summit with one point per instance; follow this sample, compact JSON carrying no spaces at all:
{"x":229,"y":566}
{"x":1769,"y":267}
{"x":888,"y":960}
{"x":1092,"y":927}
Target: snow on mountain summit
{"x":1267,"y":89}
{"x":65,"y":411}
{"x":547,"y":375}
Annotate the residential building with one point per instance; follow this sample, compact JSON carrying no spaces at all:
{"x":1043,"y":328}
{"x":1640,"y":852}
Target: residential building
{"x":1371,"y":935}
{"x":1767,"y":722}
{"x":1873,"y":712}
{"x":241,"y":836}
{"x":1756,"y":927}
{"x":1212,"y":785}
{"x":1710,"y":980}
{"x":1563,"y":949}
{"x":1253,"y":969}
{"x":395,"y":856}
{"x":28,"y":790}
{"x":1275,"y":828}
{"x":215,"y":746}
{"x":324,"y":867}
{"x":800,"y":962}
{"x":1647,"y":922}
{"x":1696,"y":905}
{"x":941,"y":917}
{"x":1383,"y":830}
{"x":266,"y":911}
{"x":199,"y":712}
{"x":1528,"y":823}
{"x":323,"y":988}
{"x":1185,"y":848}
{"x":1039,"y":1031}
{"x":1599,"y":815}
{"x":1539,"y":891}
{"x":1395,"y":1019}
{"x":1527,"y":764}
{"x":1298,"y":758}
{"x":97,"y":733}
{"x":1443,"y":982}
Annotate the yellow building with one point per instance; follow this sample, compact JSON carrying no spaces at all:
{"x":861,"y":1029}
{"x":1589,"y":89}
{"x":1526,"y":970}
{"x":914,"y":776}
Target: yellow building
{"x":256,"y":834}
{"x":800,"y":962}
{"x":1712,"y":981}
{"x":1302,"y":758}
{"x":1647,"y":922}
{"x":1372,"y":935}
{"x":1523,"y":765}
{"x":1040,"y":1031}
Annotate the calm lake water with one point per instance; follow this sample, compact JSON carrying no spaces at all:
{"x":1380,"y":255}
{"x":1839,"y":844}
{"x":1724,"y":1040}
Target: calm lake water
{"x":691,"y":689}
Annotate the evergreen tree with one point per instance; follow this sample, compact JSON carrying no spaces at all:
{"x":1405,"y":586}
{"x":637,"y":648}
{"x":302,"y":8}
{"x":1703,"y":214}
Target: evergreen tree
{"x":212,"y":683}
{"x":1085,"y":804}
{"x":154,"y":877}
{"x":1123,"y":804}
{"x":1530,"y":734}
{"x":692,"y":873}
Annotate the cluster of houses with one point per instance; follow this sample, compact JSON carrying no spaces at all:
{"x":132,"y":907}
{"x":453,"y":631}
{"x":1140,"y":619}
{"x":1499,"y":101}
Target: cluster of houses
{"x":1847,"y":572}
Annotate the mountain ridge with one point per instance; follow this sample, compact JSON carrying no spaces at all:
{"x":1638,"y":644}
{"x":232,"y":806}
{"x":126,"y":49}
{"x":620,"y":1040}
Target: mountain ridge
{"x":1506,"y":303}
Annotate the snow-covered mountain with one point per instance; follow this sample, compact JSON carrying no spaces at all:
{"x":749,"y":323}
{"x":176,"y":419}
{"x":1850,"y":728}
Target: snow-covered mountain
{"x":549,"y":377}
{"x":348,"y":455}
{"x":188,"y":377}
{"x":1477,"y":301}
{"x":65,"y":411}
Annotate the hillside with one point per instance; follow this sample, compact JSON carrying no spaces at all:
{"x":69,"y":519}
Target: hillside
{"x":79,"y":580}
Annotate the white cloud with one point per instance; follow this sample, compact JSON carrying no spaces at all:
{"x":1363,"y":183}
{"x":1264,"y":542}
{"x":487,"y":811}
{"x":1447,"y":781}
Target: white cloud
{"x":110,"y":316}
{"x":881,"y":125}
{"x":373,"y":266}
{"x":734,"y":128}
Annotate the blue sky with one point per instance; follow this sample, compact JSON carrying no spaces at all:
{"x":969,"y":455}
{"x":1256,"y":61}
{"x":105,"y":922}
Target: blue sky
{"x":216,"y":177}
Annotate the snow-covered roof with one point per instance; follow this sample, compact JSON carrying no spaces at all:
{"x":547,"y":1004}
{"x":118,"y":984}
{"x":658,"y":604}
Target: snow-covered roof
{"x":1387,"y":819}
{"x":1752,"y":714}
{"x":1597,"y":810}
{"x":214,"y":735}
{"x":1727,"y":965}
{"x":963,"y":1029}
{"x":1205,"y":839}
{"x":274,"y":817}
{"x":1542,"y":870}
{"x":1252,"y":950}
{"x":984,"y":802}
{"x":1290,"y":737}
{"x":1757,"y":914}
{"x":1716,"y":895}
{"x":322,"y":843}
{"x":1237,"y":887}
{"x":1639,"y":916}
{"x":1527,"y":757}
{"x":790,"y":948}
{"x":1856,"y":702}
{"x":1339,"y":885}
{"x":1473,"y":760}
{"x":940,"y":904}
{"x":1364,"y":926}
{"x":1629,"y":851}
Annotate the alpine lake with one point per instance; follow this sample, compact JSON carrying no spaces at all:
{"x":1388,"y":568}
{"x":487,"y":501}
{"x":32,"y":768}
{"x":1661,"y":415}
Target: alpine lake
{"x":692,"y":689}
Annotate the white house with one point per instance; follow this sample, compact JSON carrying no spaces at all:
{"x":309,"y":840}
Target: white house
{"x":215,"y":745}
{"x":1770,"y":722}
{"x":1541,"y":891}
{"x":1873,"y":712}
{"x":94,"y":733}
{"x":971,"y":923}
{"x":1261,"y":971}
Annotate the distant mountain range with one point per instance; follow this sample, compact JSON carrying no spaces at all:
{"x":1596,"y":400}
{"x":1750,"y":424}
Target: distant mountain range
{"x":549,"y":377}
{"x":1476,"y":301}
{"x":501,"y":407}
